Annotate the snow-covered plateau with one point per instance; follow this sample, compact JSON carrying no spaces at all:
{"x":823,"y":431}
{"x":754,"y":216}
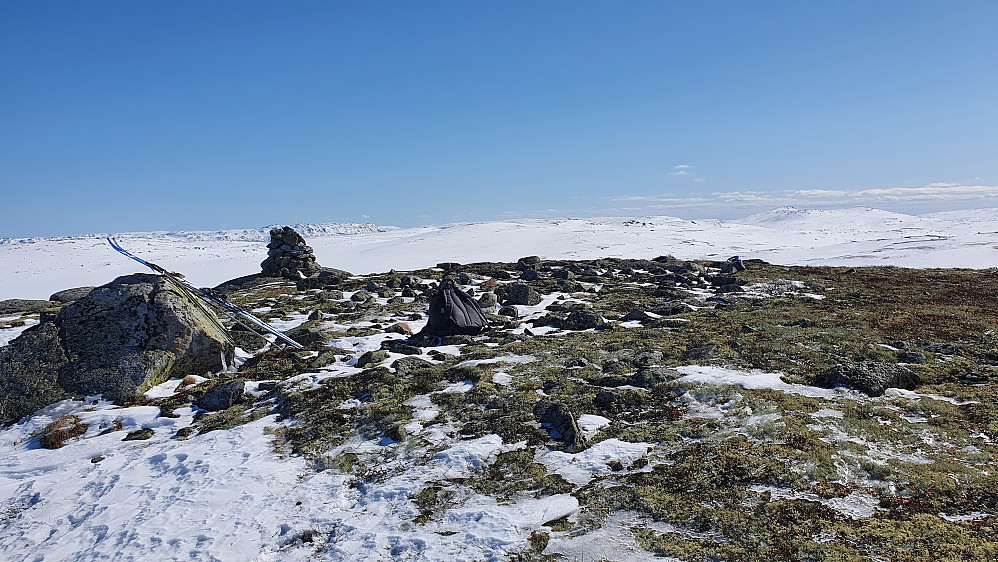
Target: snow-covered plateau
{"x":34,"y":268}
{"x":732,"y":425}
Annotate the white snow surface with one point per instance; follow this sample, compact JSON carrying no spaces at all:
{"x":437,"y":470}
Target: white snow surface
{"x":37,"y":267}
{"x":227,"y":495}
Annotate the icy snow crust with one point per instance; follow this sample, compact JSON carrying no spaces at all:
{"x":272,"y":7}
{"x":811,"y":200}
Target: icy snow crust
{"x":37,"y":267}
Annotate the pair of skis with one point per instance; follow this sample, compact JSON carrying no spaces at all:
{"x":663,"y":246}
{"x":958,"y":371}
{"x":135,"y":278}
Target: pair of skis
{"x":200,"y":296}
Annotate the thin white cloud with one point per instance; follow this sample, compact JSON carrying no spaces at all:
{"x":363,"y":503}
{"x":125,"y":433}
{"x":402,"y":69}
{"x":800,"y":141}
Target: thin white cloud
{"x":937,"y":192}
{"x":682,"y":167}
{"x":681,"y":173}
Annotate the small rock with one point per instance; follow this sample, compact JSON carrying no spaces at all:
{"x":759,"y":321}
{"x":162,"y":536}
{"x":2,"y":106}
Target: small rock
{"x":400,"y":328}
{"x":650,"y":377}
{"x":647,"y":358}
{"x":371,"y":359}
{"x":529,"y":275}
{"x":407,"y":365}
{"x":560,"y":418}
{"x":912,"y":357}
{"x":400,"y":346}
{"x":732,"y":288}
{"x":139,"y":434}
{"x":637,"y":314}
{"x":605,"y":400}
{"x":702,"y":352}
{"x":868,"y":377}
{"x":510,"y":311}
{"x":223,"y":396}
{"x":521,"y":294}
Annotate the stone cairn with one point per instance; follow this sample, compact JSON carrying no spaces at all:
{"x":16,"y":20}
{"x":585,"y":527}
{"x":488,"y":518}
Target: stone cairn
{"x":289,"y":256}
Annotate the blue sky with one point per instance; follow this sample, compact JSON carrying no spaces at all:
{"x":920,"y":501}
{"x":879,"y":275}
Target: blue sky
{"x":119,"y":116}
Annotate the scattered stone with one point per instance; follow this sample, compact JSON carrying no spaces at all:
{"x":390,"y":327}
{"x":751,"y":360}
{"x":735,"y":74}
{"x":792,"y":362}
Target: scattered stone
{"x":371,"y":359}
{"x":732,"y":288}
{"x":702,"y":353}
{"x":560,"y":418}
{"x":424,"y":340}
{"x":405,"y":366}
{"x":289,"y":256}
{"x":488,"y":302}
{"x":605,"y":400}
{"x":457,"y":339}
{"x":869,"y":377}
{"x":361,"y":296}
{"x":528,"y":262}
{"x":637,"y":314}
{"x":521,"y":294}
{"x":650,"y":377}
{"x":308,"y":333}
{"x":223,"y":396}
{"x":562,"y":274}
{"x":732,"y":264}
{"x":578,"y":320}
{"x":647,"y":358}
{"x":139,"y":434}
{"x":941,"y":348}
{"x":912,"y":357}
{"x":672,"y":308}
{"x":510,"y":311}
{"x":397,"y":433}
{"x":529,"y":275}
{"x":448,"y":266}
{"x":400,"y":328}
{"x":71,"y":295}
{"x":400,"y":346}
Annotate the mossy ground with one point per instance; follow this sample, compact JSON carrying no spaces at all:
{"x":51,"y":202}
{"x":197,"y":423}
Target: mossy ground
{"x":733,"y":473}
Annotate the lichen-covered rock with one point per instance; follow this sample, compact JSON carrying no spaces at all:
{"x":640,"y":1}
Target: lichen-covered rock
{"x":11,"y":306}
{"x":70,"y":295}
{"x":560,"y":418}
{"x":519,"y":293}
{"x":407,"y":365}
{"x":120,"y":339}
{"x":868,"y":377}
{"x":223,"y":396}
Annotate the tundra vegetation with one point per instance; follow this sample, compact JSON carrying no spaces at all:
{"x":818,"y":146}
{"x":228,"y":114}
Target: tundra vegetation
{"x":726,"y":470}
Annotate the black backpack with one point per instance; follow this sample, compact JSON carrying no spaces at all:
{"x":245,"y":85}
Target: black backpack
{"x":453,"y":312}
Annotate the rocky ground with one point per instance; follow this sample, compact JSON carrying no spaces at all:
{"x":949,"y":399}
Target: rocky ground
{"x":681,"y":403}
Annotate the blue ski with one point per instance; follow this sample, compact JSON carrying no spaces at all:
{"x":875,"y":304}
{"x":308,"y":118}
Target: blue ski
{"x":238,"y":314}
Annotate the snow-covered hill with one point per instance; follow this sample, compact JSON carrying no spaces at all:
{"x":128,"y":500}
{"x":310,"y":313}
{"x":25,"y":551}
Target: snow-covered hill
{"x":37,"y":267}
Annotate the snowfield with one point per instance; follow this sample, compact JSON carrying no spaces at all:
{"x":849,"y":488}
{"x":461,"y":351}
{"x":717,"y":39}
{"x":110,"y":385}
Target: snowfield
{"x":34,"y":268}
{"x":231,"y":495}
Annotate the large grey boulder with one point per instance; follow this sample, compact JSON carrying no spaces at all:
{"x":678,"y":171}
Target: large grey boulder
{"x":70,"y":295}
{"x":868,"y":377}
{"x":11,"y":306}
{"x":119,"y":340}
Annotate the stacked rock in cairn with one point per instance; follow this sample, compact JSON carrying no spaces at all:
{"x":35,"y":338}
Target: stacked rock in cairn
{"x":289,"y":256}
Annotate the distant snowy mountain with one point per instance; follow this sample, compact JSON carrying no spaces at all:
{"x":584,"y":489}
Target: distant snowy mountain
{"x":246,"y":235}
{"x":37,"y":267}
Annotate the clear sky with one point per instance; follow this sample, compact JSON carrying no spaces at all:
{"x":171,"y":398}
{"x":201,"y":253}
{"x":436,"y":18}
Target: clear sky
{"x":152,"y":115}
